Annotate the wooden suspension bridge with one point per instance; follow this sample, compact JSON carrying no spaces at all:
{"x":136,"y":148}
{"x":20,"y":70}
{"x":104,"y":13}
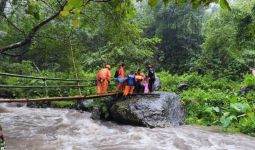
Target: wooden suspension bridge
{"x":46,"y":88}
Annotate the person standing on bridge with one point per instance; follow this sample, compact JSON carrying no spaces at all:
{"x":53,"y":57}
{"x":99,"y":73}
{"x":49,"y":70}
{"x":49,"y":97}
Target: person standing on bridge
{"x":103,"y":79}
{"x":151,"y":75}
{"x":139,"y":88}
{"x":121,"y":78}
{"x":130,"y":86}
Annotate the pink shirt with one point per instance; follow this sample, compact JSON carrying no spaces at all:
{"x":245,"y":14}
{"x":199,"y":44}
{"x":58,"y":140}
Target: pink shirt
{"x":146,"y":86}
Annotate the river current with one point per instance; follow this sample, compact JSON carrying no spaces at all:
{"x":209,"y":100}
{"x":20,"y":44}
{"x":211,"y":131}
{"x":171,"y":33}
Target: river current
{"x":63,"y":129}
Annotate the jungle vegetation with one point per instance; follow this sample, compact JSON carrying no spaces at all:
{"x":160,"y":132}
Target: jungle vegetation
{"x":210,"y":44}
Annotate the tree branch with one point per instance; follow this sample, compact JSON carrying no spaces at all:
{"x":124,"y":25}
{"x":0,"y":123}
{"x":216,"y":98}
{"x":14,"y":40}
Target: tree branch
{"x":12,"y":24}
{"x":33,"y":31}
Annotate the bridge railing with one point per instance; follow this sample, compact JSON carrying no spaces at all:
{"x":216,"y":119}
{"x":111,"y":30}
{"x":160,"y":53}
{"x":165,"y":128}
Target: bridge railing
{"x":77,"y":84}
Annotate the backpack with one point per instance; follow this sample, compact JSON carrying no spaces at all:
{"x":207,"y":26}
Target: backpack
{"x":131,"y":80}
{"x":116,"y":74}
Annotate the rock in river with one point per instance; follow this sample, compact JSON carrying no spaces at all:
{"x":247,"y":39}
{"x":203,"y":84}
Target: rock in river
{"x":162,"y":110}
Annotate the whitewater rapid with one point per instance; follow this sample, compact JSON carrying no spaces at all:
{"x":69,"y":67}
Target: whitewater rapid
{"x":63,"y":129}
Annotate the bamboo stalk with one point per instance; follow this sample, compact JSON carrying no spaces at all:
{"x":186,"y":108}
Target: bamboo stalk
{"x":42,"y":78}
{"x":74,"y":67}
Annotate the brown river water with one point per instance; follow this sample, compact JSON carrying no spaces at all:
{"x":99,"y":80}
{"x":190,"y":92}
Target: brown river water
{"x":63,"y":129}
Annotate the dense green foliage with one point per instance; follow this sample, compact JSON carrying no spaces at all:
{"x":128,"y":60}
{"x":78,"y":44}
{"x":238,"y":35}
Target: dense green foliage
{"x":210,"y":101}
{"x":210,"y":48}
{"x":228,"y":47}
{"x":179,"y":29}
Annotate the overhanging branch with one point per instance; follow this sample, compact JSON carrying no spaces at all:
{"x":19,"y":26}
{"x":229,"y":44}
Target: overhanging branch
{"x":28,"y":38}
{"x":31,"y":34}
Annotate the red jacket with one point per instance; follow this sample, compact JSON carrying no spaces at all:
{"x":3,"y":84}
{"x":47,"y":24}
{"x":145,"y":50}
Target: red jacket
{"x":121,"y":73}
{"x":104,"y":74}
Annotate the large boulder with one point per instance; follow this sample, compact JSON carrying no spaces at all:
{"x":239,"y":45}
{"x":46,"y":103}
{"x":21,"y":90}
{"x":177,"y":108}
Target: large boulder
{"x":86,"y":105}
{"x":162,"y":110}
{"x":157,"y":84}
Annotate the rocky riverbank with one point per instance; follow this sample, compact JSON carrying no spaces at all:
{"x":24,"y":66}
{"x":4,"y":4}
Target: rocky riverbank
{"x":160,"y":110}
{"x":2,"y":142}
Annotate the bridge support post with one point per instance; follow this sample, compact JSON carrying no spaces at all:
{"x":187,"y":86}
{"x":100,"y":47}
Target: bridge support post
{"x":45,"y":87}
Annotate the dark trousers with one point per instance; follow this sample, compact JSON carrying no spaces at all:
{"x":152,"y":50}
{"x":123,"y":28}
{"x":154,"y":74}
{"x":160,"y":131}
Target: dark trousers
{"x":151,"y":82}
{"x":139,"y":87}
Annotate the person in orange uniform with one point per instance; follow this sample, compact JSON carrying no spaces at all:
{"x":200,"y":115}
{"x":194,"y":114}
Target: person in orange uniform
{"x":121,"y":78}
{"x":129,"y":88}
{"x":103,"y":79}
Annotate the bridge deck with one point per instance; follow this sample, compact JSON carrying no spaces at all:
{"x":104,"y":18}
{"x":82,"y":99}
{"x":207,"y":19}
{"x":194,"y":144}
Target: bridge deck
{"x":69,"y":98}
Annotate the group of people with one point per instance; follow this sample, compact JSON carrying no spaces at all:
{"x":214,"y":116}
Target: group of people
{"x":133,"y":82}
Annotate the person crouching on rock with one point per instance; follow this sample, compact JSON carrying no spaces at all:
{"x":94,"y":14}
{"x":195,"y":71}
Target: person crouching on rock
{"x":103,"y":79}
{"x":130,"y":86}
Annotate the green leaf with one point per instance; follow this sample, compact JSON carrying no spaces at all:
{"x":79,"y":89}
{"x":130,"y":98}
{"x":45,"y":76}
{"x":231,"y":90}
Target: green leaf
{"x":252,"y":117}
{"x":64,"y":13}
{"x":226,"y":121}
{"x":76,"y":23}
{"x":153,"y":3}
{"x":36,"y":15}
{"x":240,"y":107}
{"x":216,"y":109}
{"x":131,"y":14}
{"x":33,"y":9}
{"x":224,"y":4}
{"x":14,"y":2}
{"x":233,"y":100}
{"x":75,"y":3}
{"x":196,"y":3}
{"x":166,"y":1}
{"x":225,"y":114}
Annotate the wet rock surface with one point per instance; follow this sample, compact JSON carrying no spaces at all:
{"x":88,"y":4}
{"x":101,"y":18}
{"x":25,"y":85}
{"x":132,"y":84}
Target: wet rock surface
{"x":183,"y":86}
{"x":157,"y":84}
{"x":152,"y":111}
{"x":85,"y":105}
{"x":247,"y":89}
{"x":2,"y":142}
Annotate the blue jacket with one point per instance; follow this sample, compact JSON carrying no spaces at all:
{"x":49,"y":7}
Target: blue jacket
{"x":131,"y":80}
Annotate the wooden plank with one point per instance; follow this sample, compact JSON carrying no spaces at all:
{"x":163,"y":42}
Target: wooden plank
{"x":55,"y":98}
{"x":69,"y":98}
